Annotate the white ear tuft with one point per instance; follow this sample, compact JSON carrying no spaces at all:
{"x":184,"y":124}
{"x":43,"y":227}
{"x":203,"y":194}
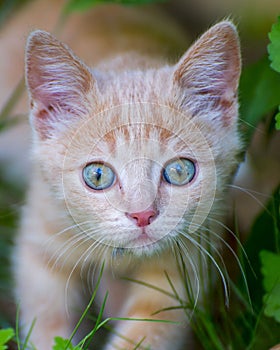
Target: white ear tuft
{"x":57,"y":81}
{"x":208,"y":74}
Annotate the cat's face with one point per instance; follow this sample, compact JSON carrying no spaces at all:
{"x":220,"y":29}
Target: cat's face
{"x":133,"y":185}
{"x":141,"y":158}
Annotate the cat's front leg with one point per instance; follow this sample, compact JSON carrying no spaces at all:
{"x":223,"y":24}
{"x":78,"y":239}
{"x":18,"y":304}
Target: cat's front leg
{"x":155,"y":332}
{"x":43,"y":297}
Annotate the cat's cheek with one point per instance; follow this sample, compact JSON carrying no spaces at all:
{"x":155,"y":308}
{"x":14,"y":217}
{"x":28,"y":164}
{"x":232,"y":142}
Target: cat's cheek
{"x":85,"y":203}
{"x":172,"y":196}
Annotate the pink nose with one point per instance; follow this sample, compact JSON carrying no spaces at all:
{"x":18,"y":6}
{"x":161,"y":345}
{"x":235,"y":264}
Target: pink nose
{"x":144,"y":218}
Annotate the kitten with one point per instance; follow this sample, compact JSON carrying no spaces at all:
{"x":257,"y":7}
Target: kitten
{"x":131,"y":162}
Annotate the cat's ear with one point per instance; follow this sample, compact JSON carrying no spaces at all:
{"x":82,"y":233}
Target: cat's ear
{"x":58,"y":82}
{"x":208,"y":74}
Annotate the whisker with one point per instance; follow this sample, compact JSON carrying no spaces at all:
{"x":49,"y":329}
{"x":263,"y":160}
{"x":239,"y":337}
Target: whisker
{"x":71,"y":244}
{"x":61,"y":251}
{"x":214,"y":249}
{"x":203,"y":250}
{"x":228,"y":230}
{"x":65,"y":230}
{"x":219,"y":237}
{"x":251,"y":193}
{"x":189,"y":286}
{"x":90,"y":249}
{"x":101,"y":246}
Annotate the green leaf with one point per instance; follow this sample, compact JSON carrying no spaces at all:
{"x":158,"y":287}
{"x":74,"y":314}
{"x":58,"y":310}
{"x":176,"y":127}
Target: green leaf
{"x":274,"y":46}
{"x":61,"y":344}
{"x":5,"y":336}
{"x":64,"y":344}
{"x":277,"y":119}
{"x":83,"y":5}
{"x":271,"y":283}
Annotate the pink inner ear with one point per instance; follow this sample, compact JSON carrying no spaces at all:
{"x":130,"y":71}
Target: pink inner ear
{"x":40,"y":118}
{"x":208,"y":74}
{"x":58,"y":82}
{"x":212,"y":65}
{"x":51,"y":102}
{"x":42,"y":114}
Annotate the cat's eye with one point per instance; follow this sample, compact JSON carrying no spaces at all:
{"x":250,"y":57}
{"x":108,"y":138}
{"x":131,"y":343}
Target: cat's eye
{"x":98,"y":176}
{"x":179,"y":172}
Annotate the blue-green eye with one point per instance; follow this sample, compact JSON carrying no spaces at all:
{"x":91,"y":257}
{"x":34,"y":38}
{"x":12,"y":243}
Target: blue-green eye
{"x":179,"y":172}
{"x":98,"y":176}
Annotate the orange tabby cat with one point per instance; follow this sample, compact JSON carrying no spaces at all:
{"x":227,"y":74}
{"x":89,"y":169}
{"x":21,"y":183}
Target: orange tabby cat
{"x":131,"y":160}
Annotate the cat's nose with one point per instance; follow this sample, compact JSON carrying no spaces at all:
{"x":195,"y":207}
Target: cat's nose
{"x":143,"y":218}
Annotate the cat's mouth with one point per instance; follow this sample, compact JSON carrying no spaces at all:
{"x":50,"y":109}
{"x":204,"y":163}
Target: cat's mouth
{"x":141,"y":245}
{"x":144,"y":237}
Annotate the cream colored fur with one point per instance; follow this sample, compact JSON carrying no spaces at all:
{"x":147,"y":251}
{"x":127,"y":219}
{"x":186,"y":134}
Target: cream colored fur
{"x":134,"y":112}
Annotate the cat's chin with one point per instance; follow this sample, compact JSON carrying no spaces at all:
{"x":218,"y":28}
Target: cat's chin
{"x":137,"y":251}
{"x":141,"y":245}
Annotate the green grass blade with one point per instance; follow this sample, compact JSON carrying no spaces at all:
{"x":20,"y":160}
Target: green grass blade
{"x":87,"y":308}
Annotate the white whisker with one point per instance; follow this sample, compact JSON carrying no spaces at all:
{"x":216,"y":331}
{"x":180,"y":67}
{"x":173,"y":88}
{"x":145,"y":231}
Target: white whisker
{"x":225,"y":243}
{"x":189,"y":286}
{"x":90,"y":249}
{"x":205,"y":251}
{"x":73,"y":243}
{"x":251,"y":194}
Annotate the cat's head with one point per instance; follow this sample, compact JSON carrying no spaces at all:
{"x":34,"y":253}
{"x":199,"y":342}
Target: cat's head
{"x":139,"y":158}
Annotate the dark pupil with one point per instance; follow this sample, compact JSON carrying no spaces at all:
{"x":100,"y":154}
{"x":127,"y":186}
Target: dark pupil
{"x":98,"y":173}
{"x":179,"y":169}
